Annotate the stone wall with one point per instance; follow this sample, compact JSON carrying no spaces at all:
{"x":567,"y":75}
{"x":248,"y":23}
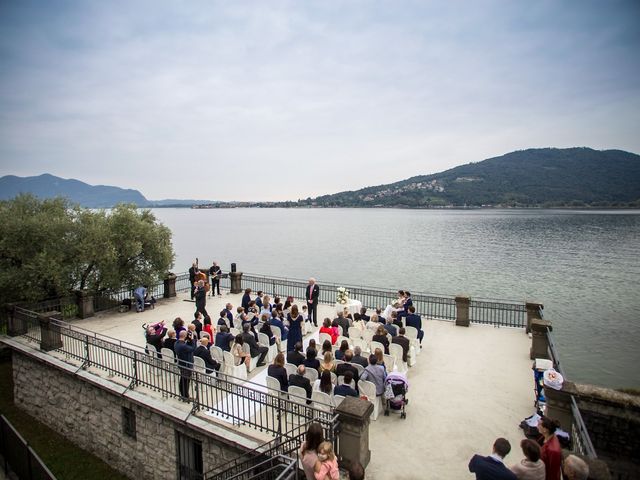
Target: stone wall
{"x":92,"y":417}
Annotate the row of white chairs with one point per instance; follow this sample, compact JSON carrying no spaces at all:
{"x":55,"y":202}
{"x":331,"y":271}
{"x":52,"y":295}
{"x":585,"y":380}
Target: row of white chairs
{"x":320,"y":400}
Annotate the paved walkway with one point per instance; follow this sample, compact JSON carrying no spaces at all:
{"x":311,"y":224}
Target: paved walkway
{"x":469,"y":386}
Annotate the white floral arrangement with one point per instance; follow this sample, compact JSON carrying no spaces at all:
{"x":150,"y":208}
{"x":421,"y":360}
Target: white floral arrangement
{"x":343,"y":296}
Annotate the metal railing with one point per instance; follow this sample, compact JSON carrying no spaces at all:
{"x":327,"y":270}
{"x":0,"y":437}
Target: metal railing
{"x":230,"y":399}
{"x":19,"y":456}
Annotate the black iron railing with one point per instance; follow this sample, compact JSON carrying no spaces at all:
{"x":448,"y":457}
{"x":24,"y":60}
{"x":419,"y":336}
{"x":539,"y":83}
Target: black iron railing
{"x":19,"y":456}
{"x":230,"y":399}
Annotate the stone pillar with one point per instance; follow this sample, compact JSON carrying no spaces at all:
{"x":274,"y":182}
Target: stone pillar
{"x":170,"y":286}
{"x":533,"y":312}
{"x":84,"y":301}
{"x":559,"y":404}
{"x":15,"y":325}
{"x":236,"y":282}
{"x":462,"y":310}
{"x":539,"y":341}
{"x":354,"y":417}
{"x":50,"y":338}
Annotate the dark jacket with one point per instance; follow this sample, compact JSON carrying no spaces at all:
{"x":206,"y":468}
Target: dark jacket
{"x":344,"y":367}
{"x":391,"y":328}
{"x":345,"y":390}
{"x":383,"y":340}
{"x":405,"y":343}
{"x":184,"y":353}
{"x":295,"y":358}
{"x":414,"y":321}
{"x":315,"y":363}
{"x":487,"y":468}
{"x":360,"y":360}
{"x":301,"y":381}
{"x":169,"y":343}
{"x":156,"y":340}
{"x":280,"y":373}
{"x":250,"y":340}
{"x":223,"y":340}
{"x":344,"y":323}
{"x":204,"y":354}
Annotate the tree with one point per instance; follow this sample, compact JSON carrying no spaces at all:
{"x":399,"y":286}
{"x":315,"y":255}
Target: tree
{"x":50,"y":247}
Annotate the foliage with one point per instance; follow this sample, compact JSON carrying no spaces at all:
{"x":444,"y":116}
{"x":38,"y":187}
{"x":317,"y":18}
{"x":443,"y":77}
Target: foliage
{"x":49,"y":247}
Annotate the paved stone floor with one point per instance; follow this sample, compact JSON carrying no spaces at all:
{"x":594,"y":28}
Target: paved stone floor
{"x":469,"y":386}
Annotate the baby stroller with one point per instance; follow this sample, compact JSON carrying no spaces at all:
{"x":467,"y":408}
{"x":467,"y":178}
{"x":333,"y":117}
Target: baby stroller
{"x":396,"y":387}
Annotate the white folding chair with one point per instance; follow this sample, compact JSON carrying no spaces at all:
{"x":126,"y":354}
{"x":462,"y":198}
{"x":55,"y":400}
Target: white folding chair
{"x":291,"y":368}
{"x":359,"y":367}
{"x":338,"y":362}
{"x":263,"y":340}
{"x":311,"y":374}
{"x":389,"y":362}
{"x":337,"y":400}
{"x":367,"y":335}
{"x":277,"y":332}
{"x":354,"y":332}
{"x":273,"y":384}
{"x":199,"y":365}
{"x":360,"y":342}
{"x":216,"y":353}
{"x":168,"y":355}
{"x":397,"y":352}
{"x":368,"y":389}
{"x":412,"y":334}
{"x":321,"y":401}
{"x":297,"y":395}
{"x":322,"y":337}
{"x":340,"y":339}
{"x":373,"y":345}
{"x":340,"y":332}
{"x":230,"y":368}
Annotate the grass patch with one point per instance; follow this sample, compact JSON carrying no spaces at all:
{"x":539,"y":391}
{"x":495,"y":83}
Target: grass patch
{"x":65,"y":460}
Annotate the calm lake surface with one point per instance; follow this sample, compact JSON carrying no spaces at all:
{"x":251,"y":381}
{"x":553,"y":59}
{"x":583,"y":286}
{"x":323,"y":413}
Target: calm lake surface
{"x":584,"y":266}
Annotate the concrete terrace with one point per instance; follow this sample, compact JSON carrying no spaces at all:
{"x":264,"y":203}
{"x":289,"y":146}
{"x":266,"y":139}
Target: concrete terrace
{"x":469,"y":386}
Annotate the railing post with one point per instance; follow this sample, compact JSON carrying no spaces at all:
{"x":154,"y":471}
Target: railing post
{"x":533,"y":312}
{"x":236,"y":282}
{"x":87,"y":360}
{"x":539,"y":340}
{"x":50,"y":337}
{"x":354,"y":417}
{"x":170,"y":286}
{"x":15,"y":326}
{"x":84,"y":301}
{"x":462,"y":310}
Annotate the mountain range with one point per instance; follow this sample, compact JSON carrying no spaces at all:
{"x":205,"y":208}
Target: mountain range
{"x":526,"y":178}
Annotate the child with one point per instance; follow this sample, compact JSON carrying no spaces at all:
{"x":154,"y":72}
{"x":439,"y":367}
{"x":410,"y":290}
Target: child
{"x":306,"y":323}
{"x":327,"y":465}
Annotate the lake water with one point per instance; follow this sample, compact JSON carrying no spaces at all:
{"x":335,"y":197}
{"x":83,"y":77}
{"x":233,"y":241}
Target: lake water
{"x":583,"y":265}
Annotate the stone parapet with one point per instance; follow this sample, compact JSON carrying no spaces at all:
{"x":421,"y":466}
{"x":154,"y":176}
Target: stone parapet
{"x":462,"y":310}
{"x":236,"y":282}
{"x":354,"y":418}
{"x":539,"y":340}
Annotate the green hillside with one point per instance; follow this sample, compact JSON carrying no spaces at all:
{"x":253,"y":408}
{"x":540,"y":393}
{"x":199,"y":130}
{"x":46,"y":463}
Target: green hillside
{"x":535,"y":177}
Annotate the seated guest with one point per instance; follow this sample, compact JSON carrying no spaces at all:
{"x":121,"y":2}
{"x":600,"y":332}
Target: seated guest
{"x":344,"y":346}
{"x":239,"y":355}
{"x":295,"y":356}
{"x":379,"y":315}
{"x":266,"y":329}
{"x":312,"y":344}
{"x":380,"y":357}
{"x":284,"y":331}
{"x":246,"y":298}
{"x":207,"y":327}
{"x":381,"y":336}
{"x":327,"y":347}
{"x":391,"y":328}
{"x":155,"y":334}
{"x":374,"y":323}
{"x":403,"y":341}
{"x":376,"y":374}
{"x":324,"y":383}
{"x":255,"y":349}
{"x":228,"y":311}
{"x":277,"y":370}
{"x":299,"y":380}
{"x":311,"y":361}
{"x":492,"y":467}
{"x":395,"y":320}
{"x":343,"y":323}
{"x":224,"y":320}
{"x":203,"y":352}
{"x":347,"y":389}
{"x":240,"y":318}
{"x":197,"y":321}
{"x":363,"y":315}
{"x":347,"y":314}
{"x":530,"y":467}
{"x":327,"y":363}
{"x":326,"y":328}
{"x":343,"y":368}
{"x":171,"y":340}
{"x":358,"y":322}
{"x":415,"y":321}
{"x":224,"y":338}
{"x":358,"y":358}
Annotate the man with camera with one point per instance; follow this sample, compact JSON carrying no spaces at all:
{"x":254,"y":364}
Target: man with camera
{"x":184,"y":349}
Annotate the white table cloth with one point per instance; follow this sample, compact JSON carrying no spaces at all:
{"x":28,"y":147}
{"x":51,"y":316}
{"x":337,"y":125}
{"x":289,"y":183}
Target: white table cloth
{"x":354,"y":306}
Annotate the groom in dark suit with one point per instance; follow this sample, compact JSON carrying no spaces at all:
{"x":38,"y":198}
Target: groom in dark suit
{"x":312,"y":293}
{"x":493,"y":467}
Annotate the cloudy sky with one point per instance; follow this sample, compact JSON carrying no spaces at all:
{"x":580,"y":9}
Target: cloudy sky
{"x":275,"y":100}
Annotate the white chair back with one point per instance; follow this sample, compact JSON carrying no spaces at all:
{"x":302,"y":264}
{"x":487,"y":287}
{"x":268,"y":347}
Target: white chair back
{"x":373,"y":345}
{"x":291,"y":368}
{"x":322,"y":337}
{"x":411,"y":333}
{"x":311,"y":374}
{"x":199,"y":365}
{"x":389,"y":362}
{"x":367,"y":335}
{"x":368,"y":389}
{"x":297,"y":394}
{"x":397,"y":352}
{"x":263,"y":340}
{"x":337,"y":400}
{"x":355,"y":332}
{"x":167,"y":355}
{"x":359,"y":367}
{"x":334,"y":378}
{"x":321,"y":401}
{"x":216,"y":353}
{"x":273,"y":383}
{"x":276,"y":331}
{"x":340,"y":332}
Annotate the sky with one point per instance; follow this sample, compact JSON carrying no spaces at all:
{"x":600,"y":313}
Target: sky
{"x":280,"y":100}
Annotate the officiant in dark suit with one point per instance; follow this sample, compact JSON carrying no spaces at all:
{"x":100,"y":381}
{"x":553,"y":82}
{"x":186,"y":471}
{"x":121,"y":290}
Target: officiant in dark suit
{"x":312,"y":294}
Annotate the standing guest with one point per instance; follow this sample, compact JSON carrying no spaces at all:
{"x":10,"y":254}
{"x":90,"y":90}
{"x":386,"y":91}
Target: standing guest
{"x":277,"y":371}
{"x":299,"y":380}
{"x":327,"y":464}
{"x":492,"y":467}
{"x":327,"y":363}
{"x":197,"y":321}
{"x":363,"y":314}
{"x":344,"y":346}
{"x":215,"y":273}
{"x":184,"y":352}
{"x":140,"y":293}
{"x":295,"y":356}
{"x":171,"y":340}
{"x":415,"y":321}
{"x":155,"y":334}
{"x":326,"y":328}
{"x":308,"y":450}
{"x":239,"y":355}
{"x":390,"y":327}
{"x":343,"y":323}
{"x":358,"y":358}
{"x":178,"y":326}
{"x":381,"y":337}
{"x":224,"y":338}
{"x":295,"y":327}
{"x":255,"y":349}
{"x":574,"y":468}
{"x":258,"y":300}
{"x":203,"y":352}
{"x":201,"y":298}
{"x":311,"y":361}
{"x":375,"y":374}
{"x":347,"y":389}
{"x":324,"y":383}
{"x":404,"y":342}
{"x":208,"y":328}
{"x":312,"y":294}
{"x":192,"y":278}
{"x":530,"y":467}
{"x":551,"y":453}
{"x":246,"y":298}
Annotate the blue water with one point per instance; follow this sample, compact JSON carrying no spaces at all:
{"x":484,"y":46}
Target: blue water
{"x":583,"y":265}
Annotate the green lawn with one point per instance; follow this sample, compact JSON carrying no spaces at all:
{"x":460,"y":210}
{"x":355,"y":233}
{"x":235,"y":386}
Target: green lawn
{"x":65,"y":460}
